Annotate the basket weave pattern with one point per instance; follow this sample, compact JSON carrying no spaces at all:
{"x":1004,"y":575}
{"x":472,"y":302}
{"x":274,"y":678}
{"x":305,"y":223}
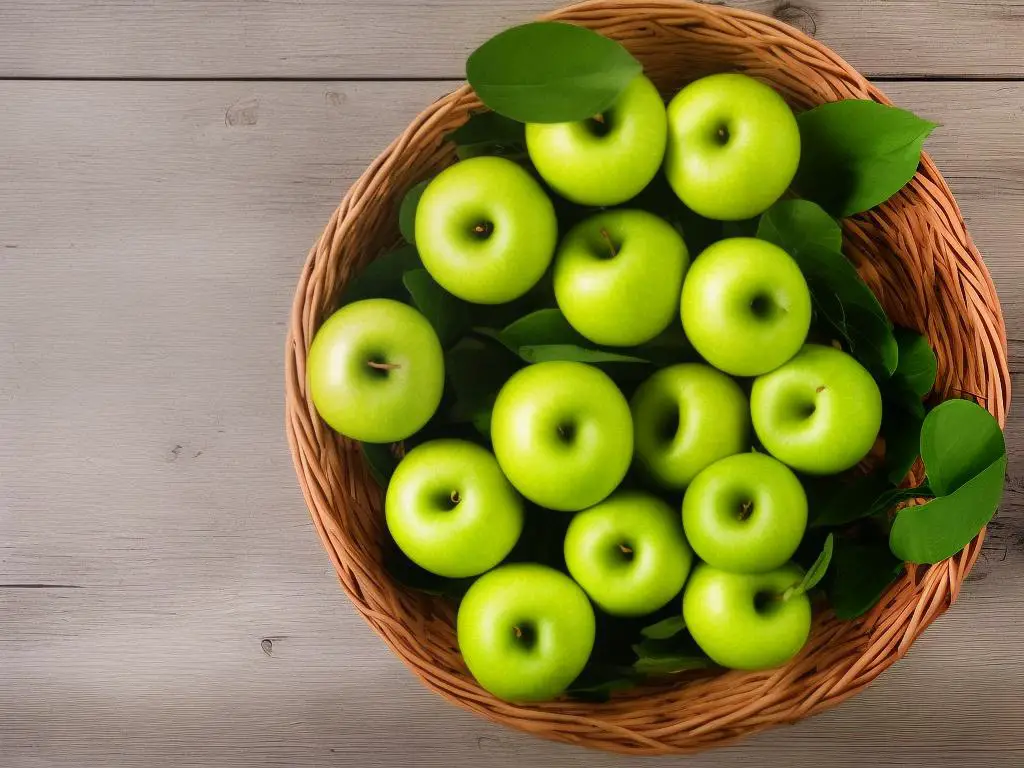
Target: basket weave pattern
{"x":913,"y":251}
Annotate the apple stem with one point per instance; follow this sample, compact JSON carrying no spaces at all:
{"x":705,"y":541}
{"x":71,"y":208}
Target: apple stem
{"x":454,"y":497}
{"x":625,"y":550}
{"x":383,"y":366}
{"x":745,"y":509}
{"x":820,"y":389}
{"x":598,"y":118}
{"x":518,"y":633}
{"x":608,"y":239}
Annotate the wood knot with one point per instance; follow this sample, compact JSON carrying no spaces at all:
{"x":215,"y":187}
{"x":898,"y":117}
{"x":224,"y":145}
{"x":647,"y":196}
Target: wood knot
{"x":798,"y":16}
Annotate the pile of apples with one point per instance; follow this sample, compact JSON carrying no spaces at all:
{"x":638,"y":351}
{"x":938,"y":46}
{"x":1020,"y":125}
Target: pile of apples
{"x":718,"y":512}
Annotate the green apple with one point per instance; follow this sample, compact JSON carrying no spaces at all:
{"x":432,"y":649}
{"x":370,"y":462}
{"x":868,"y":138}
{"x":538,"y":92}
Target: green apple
{"x":562,"y":434}
{"x":618,"y":276}
{"x":820,"y":412}
{"x":451,"y":510}
{"x":733,"y":146}
{"x":486,"y":230}
{"x":525,"y":631}
{"x":628,"y":553}
{"x":740,"y":619}
{"x":685,"y":417}
{"x":745,"y":513}
{"x":607,"y":159}
{"x":745,"y":306}
{"x":376,"y":371}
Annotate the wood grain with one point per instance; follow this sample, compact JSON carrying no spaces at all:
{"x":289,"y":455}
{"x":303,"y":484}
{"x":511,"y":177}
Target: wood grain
{"x":416,"y":39}
{"x":164,"y":600}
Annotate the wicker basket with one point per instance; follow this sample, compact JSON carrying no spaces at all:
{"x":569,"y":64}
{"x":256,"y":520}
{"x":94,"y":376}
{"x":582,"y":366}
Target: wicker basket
{"x":913,"y":251}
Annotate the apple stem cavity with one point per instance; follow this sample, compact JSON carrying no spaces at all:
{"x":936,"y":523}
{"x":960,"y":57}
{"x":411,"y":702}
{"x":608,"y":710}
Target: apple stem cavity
{"x":378,"y":366}
{"x":722,"y":135}
{"x":745,"y":509}
{"x":611,"y":245}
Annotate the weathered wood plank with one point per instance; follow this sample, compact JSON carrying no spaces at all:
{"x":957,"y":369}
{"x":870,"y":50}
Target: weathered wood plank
{"x":150,"y":238}
{"x":413,"y":39}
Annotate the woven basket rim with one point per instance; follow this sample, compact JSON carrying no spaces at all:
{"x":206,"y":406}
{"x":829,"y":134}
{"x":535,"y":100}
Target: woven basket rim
{"x":852,"y":654}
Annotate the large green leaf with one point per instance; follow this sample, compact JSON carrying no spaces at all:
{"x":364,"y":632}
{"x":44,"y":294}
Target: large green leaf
{"x":449,"y":316}
{"x":549,"y":72}
{"x":861,"y":573}
{"x":959,"y":440}
{"x":380,"y":460}
{"x":942,"y":527}
{"x":856,"y":154}
{"x":665,"y":628}
{"x":407,"y":211}
{"x":836,"y":502}
{"x":382,"y":277}
{"x":545,"y":326}
{"x":543,"y":353}
{"x":488,"y":133}
{"x":917,"y":365}
{"x":793,"y":225}
{"x":846,"y":303}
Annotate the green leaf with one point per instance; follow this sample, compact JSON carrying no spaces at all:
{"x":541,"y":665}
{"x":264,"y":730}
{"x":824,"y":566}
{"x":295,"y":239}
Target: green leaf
{"x":857,"y":154}
{"x":959,"y":440}
{"x":902,"y":418}
{"x":846,"y":303}
{"x":449,"y":316}
{"x":477,"y":369}
{"x":542,"y":353}
{"x":665,"y":628}
{"x":407,"y":211}
{"x":834,"y":502}
{"x":670,"y":664}
{"x":382,"y":277}
{"x":793,"y":225}
{"x":380,"y":461}
{"x":887,"y":501}
{"x":598,"y":681}
{"x":549,"y":72}
{"x":545,"y":326}
{"x":861,"y":574}
{"x":488,"y":133}
{"x":917,"y":365}
{"x":818,"y":568}
{"x":406,"y":572}
{"x":942,"y":527}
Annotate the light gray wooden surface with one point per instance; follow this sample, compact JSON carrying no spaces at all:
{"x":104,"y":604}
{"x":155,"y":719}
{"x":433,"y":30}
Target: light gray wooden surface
{"x":163,"y":598}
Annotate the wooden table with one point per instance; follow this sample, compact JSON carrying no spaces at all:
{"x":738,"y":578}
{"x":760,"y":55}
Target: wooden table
{"x":164,"y":601}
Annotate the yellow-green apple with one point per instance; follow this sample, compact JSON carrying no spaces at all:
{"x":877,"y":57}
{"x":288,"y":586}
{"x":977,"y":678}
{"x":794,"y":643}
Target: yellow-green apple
{"x":745,"y":513}
{"x":607,"y":159}
{"x":525,"y":631}
{"x":486,"y":230}
{"x":733,"y":146}
{"x":745,"y":306}
{"x":376,"y":371}
{"x":618,"y":276}
{"x":820,"y":412}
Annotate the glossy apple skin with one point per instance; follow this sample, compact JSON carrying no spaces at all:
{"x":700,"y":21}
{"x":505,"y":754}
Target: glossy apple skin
{"x":740,"y":630}
{"x":628,"y":553}
{"x":486,"y":230}
{"x":525,"y":631}
{"x":686,"y":417}
{"x":820,"y":413}
{"x":745,"y":306}
{"x":745,"y":513}
{"x":618,"y":276}
{"x":733,"y":146}
{"x":605,"y":163}
{"x":376,"y":405}
{"x":451,"y":510}
{"x":562,"y":434}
